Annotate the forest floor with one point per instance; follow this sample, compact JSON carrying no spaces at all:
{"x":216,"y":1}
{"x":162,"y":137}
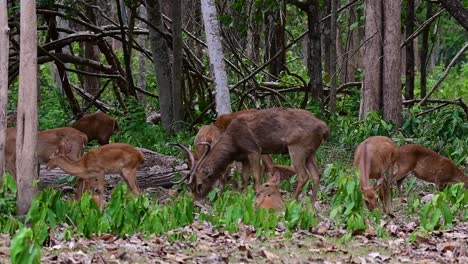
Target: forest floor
{"x":203,"y":243}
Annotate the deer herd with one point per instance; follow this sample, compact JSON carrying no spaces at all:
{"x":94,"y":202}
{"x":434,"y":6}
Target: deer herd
{"x":246,"y":139}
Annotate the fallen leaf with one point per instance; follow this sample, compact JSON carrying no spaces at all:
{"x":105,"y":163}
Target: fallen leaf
{"x":270,"y":256}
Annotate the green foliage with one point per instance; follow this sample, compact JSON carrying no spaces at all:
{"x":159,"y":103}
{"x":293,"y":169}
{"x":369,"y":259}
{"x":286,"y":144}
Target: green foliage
{"x":8,"y":223}
{"x":135,"y":131}
{"x":24,"y":250}
{"x":444,"y":131}
{"x":230,"y":208}
{"x":347,"y":203}
{"x":349,"y":131}
{"x":444,"y":206}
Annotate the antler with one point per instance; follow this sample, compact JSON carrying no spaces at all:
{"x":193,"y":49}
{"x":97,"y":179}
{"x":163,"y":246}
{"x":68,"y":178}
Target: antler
{"x":189,"y":155}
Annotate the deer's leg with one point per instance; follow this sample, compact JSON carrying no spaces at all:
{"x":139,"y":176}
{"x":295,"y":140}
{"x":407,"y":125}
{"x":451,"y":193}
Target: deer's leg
{"x":100,"y":179}
{"x":268,"y":164}
{"x":129,"y":176}
{"x":254,"y":161}
{"x":385,"y":195}
{"x":314,"y":172}
{"x":245,"y":175}
{"x":298,"y":160}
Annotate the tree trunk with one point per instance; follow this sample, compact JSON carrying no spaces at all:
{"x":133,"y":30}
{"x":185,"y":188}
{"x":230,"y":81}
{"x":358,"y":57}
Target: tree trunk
{"x":141,"y":80}
{"x":162,"y":65}
{"x":326,"y":38}
{"x":253,"y":35}
{"x":177,"y":65}
{"x":409,"y":82}
{"x":26,"y":123}
{"x":65,"y":86}
{"x":126,"y":46}
{"x":4,"y":52}
{"x":333,"y":61}
{"x":371,"y":97}
{"x":91,"y":51}
{"x":275,"y":40}
{"x":457,"y":10}
{"x":424,"y":51}
{"x":315,"y":51}
{"x":392,"y":102}
{"x":215,"y":53}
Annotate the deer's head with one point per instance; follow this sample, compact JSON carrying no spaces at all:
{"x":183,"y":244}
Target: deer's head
{"x":62,"y":150}
{"x":370,"y":195}
{"x":268,"y":195}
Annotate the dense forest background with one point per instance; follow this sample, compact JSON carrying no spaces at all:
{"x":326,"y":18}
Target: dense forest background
{"x":164,"y":68}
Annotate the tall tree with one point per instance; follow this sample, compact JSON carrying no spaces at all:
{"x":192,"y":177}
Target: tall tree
{"x":391,"y":84}
{"x":162,"y":66}
{"x":143,"y":40}
{"x":126,"y":46}
{"x":371,"y":92}
{"x":457,"y":10}
{"x":91,"y":51}
{"x":215,"y":53}
{"x":382,"y":58}
{"x":409,"y":80}
{"x":333,"y":59}
{"x":4,"y":52}
{"x":177,"y":65}
{"x":26,"y":125}
{"x":424,"y":51}
{"x":275,"y":38}
{"x":314,"y":57}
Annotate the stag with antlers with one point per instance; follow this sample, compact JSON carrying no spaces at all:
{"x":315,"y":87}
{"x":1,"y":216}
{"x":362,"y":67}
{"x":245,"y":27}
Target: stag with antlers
{"x":267,"y":131}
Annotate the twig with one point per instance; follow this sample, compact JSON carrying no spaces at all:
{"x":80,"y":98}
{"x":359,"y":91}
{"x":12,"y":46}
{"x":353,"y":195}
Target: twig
{"x":446,"y":72}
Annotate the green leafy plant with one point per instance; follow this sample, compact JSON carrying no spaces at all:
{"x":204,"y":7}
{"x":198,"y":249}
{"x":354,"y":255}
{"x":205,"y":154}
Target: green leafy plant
{"x":347,"y":203}
{"x":444,"y":206}
{"x":24,"y":249}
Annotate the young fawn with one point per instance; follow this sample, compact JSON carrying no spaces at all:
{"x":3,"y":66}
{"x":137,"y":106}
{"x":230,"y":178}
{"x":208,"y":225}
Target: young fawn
{"x":375,"y":158}
{"x":427,"y":165}
{"x":269,"y":195}
{"x":112,"y":158}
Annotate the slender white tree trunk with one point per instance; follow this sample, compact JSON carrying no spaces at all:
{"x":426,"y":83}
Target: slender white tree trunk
{"x":26,"y":125}
{"x":4,"y":51}
{"x":215,"y":52}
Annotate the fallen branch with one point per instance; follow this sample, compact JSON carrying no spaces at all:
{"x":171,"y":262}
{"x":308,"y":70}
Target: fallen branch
{"x":458,"y":101}
{"x":446,"y":72}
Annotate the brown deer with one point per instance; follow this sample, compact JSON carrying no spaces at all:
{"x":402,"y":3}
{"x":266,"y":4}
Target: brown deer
{"x":47,"y":142}
{"x":211,"y":133}
{"x":427,"y":165}
{"x":375,"y":158}
{"x":111,"y":158}
{"x":269,"y":195}
{"x":98,"y":126}
{"x":267,"y":131}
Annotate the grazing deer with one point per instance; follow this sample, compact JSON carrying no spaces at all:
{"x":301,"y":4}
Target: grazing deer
{"x":211,"y":133}
{"x":267,"y":131}
{"x":111,"y":158}
{"x":427,"y":165}
{"x":375,"y":158}
{"x":269,"y":195}
{"x":98,"y":126}
{"x":47,"y":143}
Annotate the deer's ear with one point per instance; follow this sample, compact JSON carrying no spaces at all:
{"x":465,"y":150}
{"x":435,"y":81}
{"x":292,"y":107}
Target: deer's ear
{"x":276,"y":178}
{"x":378,"y":184}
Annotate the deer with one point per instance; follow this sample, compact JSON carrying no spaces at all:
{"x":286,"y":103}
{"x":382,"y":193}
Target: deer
{"x":118,"y":158}
{"x":269,"y":195}
{"x":375,"y":158}
{"x":99,"y":126}
{"x":427,"y":165}
{"x":47,"y":142}
{"x":267,"y":131}
{"x":211,"y":133}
